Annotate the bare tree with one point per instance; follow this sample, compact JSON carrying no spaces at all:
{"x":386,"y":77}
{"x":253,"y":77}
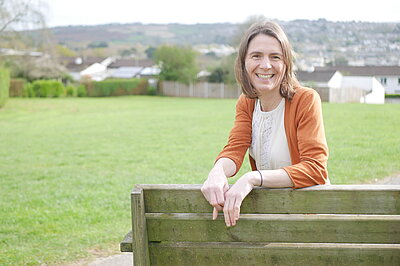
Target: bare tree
{"x":21,"y":15}
{"x":23,"y":29}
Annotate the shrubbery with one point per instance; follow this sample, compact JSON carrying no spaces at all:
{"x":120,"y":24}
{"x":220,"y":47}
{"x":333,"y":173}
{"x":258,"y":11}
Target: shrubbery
{"x":4,"y":86}
{"x":52,"y":88}
{"x":55,"y":88}
{"x":392,"y":95}
{"x":48,"y":88}
{"x":116,"y":87}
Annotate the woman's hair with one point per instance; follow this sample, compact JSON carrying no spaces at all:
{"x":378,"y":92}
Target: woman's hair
{"x":289,"y":81}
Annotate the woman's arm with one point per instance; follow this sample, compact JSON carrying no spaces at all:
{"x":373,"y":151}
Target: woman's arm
{"x":239,"y":139}
{"x":230,"y":158}
{"x":310,"y":154}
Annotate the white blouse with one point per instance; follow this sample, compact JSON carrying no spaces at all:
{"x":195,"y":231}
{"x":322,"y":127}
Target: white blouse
{"x":269,"y":146}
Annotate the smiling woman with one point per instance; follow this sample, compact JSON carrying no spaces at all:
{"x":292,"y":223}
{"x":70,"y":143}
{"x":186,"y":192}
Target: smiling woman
{"x":277,"y":121}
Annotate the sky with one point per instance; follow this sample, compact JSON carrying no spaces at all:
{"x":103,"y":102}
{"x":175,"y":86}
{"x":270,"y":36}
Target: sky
{"x":92,"y":12}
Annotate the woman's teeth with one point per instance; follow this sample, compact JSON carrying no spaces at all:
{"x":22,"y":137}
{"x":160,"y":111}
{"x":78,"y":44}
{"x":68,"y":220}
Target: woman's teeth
{"x":265,"y":76}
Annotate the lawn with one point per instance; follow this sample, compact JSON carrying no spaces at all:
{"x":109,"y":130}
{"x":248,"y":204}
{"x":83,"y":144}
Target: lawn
{"x":67,"y":165}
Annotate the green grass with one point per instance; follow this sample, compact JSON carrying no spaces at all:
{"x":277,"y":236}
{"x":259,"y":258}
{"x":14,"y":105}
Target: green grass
{"x":67,"y":165}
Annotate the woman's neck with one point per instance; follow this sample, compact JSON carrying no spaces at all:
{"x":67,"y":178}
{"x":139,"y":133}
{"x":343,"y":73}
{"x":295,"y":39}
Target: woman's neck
{"x":270,"y":102}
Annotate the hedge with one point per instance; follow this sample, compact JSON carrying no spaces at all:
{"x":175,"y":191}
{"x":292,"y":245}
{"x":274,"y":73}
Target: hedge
{"x":116,"y":87}
{"x":44,"y":88}
{"x":392,"y":95}
{"x":4,"y":86}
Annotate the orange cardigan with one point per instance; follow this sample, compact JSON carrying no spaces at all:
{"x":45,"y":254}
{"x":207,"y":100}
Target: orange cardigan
{"x":304,"y":131}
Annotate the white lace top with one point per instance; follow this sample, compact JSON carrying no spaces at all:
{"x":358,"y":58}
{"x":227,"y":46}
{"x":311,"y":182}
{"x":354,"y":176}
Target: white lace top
{"x":269,"y":146}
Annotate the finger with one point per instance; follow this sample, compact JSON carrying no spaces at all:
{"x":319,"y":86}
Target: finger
{"x":232,"y":212}
{"x":215,"y":213}
{"x":220,"y":198}
{"x":236,"y":209}
{"x":227,"y":212}
{"x":213,"y":199}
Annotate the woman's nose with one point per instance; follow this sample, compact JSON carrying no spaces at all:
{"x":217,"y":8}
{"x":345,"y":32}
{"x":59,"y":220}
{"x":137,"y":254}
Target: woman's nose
{"x":265,"y":63}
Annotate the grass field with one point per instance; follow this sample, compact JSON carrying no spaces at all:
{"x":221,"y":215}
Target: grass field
{"x":67,"y":165}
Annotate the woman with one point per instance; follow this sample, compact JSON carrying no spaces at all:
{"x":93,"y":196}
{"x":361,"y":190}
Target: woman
{"x":277,"y":120}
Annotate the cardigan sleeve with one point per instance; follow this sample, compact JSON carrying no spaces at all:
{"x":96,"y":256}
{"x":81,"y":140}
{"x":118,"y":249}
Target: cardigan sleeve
{"x":311,"y":169}
{"x":240,"y":135}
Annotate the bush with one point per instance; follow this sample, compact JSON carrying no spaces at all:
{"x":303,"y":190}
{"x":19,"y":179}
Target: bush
{"x":81,"y":92}
{"x":71,"y":91}
{"x":28,"y":90}
{"x":151,"y":90}
{"x":116,"y":87}
{"x":392,"y":95}
{"x":4,"y":86}
{"x":48,"y":88}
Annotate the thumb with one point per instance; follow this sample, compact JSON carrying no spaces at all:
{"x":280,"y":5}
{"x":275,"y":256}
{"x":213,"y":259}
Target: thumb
{"x":226,"y":187}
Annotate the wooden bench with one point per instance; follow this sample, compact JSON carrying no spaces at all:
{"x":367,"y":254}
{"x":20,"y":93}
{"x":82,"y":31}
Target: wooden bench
{"x":320,"y":225}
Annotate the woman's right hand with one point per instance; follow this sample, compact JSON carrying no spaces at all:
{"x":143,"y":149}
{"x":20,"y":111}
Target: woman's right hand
{"x":214,"y":189}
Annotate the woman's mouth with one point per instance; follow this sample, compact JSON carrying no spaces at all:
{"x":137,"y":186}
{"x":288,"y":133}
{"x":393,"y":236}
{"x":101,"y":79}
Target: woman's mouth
{"x":265,"y":76}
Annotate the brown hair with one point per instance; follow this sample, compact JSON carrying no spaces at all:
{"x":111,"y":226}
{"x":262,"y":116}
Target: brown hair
{"x":289,"y":81}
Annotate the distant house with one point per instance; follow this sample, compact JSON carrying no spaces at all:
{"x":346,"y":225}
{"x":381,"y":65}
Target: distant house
{"x":111,"y":67}
{"x":388,"y":76}
{"x":334,"y":86}
{"x":75,"y":65}
{"x":98,"y":71}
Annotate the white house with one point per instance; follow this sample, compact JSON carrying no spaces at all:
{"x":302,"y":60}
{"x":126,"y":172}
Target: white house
{"x":375,"y":92}
{"x":388,"y":76}
{"x":112,"y":67}
{"x":334,"y":86}
{"x":98,"y":71}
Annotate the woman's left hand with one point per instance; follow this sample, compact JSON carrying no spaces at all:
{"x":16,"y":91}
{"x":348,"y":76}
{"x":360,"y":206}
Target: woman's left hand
{"x":236,"y":194}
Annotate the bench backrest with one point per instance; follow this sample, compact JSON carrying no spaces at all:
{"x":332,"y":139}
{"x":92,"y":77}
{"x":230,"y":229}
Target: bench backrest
{"x":173,"y":222}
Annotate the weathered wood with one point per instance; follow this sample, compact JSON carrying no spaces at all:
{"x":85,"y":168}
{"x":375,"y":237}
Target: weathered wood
{"x":273,"y":254}
{"x":126,"y":244}
{"x":275,"y":228}
{"x":140,"y":242}
{"x":320,"y":225}
{"x":339,"y":199}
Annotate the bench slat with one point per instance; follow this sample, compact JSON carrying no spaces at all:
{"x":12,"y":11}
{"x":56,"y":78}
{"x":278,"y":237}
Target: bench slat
{"x":126,"y":243}
{"x":198,"y":227}
{"x":140,"y":239}
{"x":273,"y":254}
{"x":355,"y":199}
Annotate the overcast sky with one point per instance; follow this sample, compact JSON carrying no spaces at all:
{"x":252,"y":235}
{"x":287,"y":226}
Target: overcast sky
{"x":91,"y":12}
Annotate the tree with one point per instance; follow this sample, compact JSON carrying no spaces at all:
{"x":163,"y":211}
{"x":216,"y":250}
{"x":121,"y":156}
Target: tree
{"x":23,"y":28}
{"x":150,"y":52}
{"x":101,"y":44}
{"x":65,"y":51}
{"x":21,"y":14}
{"x":177,"y":63}
{"x":225,"y":72}
{"x":131,"y":52}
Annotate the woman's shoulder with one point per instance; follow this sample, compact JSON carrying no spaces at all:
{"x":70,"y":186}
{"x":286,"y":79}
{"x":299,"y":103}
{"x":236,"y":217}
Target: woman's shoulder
{"x":305,"y":94}
{"x":246,"y":102}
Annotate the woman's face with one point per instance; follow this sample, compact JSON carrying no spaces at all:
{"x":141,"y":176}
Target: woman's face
{"x":264,"y":64}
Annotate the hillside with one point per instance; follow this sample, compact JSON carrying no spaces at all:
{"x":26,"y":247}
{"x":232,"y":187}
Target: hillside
{"x":147,"y":34}
{"x":315,"y":41}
